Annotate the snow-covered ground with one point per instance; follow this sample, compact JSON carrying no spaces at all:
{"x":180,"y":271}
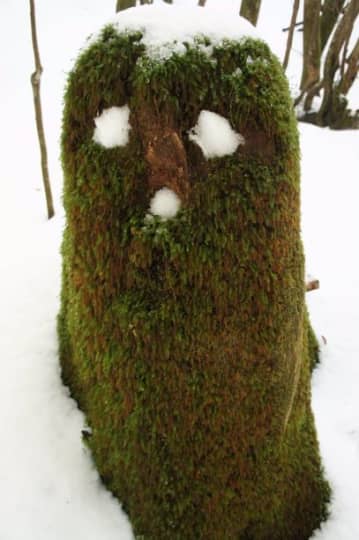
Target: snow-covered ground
{"x":49,"y":489}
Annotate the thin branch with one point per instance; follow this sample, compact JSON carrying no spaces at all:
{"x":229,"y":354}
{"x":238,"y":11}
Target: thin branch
{"x":312,"y":284}
{"x":343,"y":29}
{"x":293,"y":23}
{"x":125,"y":4}
{"x":344,"y":56}
{"x":351,"y":72}
{"x":250,"y":10}
{"x":35,"y":81}
{"x":296,"y":24}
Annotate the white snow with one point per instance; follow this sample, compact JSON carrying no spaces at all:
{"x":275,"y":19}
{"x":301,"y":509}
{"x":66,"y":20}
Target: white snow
{"x":184,"y":21}
{"x":112,"y":127}
{"x":214,"y":135}
{"x":165,"y":203}
{"x":49,"y":489}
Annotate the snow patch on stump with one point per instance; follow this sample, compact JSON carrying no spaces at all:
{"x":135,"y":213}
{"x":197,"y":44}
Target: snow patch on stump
{"x":214,"y":135}
{"x":112,"y":127}
{"x":165,"y":203}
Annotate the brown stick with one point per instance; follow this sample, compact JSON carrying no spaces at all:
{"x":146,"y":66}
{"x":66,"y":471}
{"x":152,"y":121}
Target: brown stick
{"x":293,"y":22}
{"x":351,"y":71}
{"x":35,"y":81}
{"x":312,"y":285}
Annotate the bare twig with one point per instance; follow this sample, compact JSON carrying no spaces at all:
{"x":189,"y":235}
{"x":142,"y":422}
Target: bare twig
{"x":296,"y":24}
{"x":293,"y":23}
{"x":35,"y":81}
{"x":312,"y":284}
{"x":125,"y":4}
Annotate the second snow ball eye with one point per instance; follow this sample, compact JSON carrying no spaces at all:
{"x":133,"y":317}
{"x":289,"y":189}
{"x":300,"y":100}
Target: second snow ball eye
{"x":165,"y":204}
{"x":112,"y":127}
{"x":214,"y":135}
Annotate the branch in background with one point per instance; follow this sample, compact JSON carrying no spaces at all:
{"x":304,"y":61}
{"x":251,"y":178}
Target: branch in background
{"x":342,"y":32}
{"x":330,"y":13}
{"x":311,"y":44}
{"x":35,"y":81}
{"x":344,"y":57}
{"x":125,"y":4}
{"x":293,"y":24}
{"x":202,"y":3}
{"x":311,"y":284}
{"x":296,"y":24}
{"x":250,"y":10}
{"x":351,"y":72}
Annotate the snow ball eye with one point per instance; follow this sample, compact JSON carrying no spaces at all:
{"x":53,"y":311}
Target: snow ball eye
{"x":112,"y":127}
{"x":214,"y":135}
{"x":165,"y":204}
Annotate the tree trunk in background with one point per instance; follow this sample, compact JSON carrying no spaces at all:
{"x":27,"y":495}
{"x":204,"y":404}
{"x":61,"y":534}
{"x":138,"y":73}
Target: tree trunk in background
{"x":330,"y":13}
{"x":311,"y":44}
{"x":35,"y":81}
{"x":250,"y":10}
{"x":202,"y":3}
{"x":351,"y":72}
{"x":124,"y":4}
{"x":290,"y":33}
{"x":333,"y":106}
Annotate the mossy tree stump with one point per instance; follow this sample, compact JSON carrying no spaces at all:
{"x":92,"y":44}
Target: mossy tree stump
{"x":185,"y":341}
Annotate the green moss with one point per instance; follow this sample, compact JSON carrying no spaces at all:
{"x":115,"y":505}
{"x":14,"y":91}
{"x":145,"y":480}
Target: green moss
{"x":185,"y":342}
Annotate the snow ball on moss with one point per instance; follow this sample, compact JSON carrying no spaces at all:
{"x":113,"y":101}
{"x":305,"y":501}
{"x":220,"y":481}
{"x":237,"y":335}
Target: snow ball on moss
{"x":214,"y":135}
{"x":112,"y":127}
{"x":165,"y":203}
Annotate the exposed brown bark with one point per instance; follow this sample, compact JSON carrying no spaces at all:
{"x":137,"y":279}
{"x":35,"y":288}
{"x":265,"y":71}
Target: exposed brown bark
{"x":250,"y":10}
{"x":125,"y":4}
{"x":330,"y":13}
{"x":202,"y":3}
{"x":165,"y":153}
{"x":292,"y":25}
{"x":35,"y":81}
{"x":311,"y":44}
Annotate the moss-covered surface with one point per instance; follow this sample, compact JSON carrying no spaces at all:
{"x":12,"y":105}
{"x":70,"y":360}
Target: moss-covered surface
{"x":185,"y":342}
